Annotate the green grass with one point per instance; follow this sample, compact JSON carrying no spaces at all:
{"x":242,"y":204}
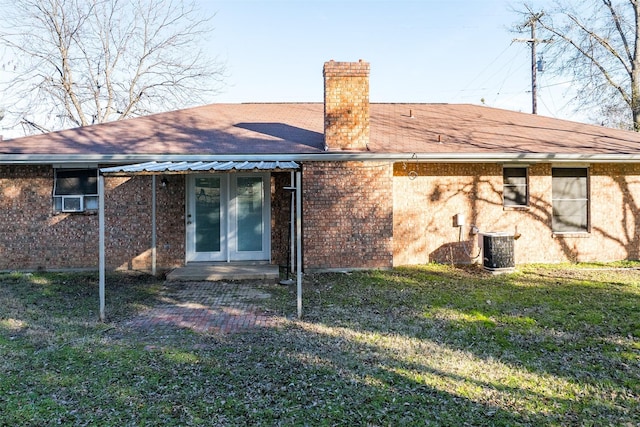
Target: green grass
{"x":431,"y":345}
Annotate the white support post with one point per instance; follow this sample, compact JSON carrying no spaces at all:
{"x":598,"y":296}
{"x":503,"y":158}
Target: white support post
{"x":153,"y":226}
{"x":292,"y":226}
{"x":299,"y":240}
{"x":228,"y":221}
{"x":101,"y":244}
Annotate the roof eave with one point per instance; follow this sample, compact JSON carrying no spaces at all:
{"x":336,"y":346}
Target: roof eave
{"x":104,"y":159}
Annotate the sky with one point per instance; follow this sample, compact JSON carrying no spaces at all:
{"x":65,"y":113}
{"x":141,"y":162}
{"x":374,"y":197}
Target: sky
{"x":431,"y":51}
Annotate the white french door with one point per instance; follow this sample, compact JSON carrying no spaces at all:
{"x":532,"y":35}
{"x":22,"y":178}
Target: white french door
{"x":228,"y":217}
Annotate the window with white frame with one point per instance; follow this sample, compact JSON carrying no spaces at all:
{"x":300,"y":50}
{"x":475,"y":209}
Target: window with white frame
{"x":515,"y":186}
{"x":570,"y":199}
{"x":75,"y":190}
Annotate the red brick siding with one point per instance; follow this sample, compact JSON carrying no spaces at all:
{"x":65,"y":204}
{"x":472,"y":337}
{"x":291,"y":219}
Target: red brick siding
{"x":128,"y":219}
{"x":280,"y":214}
{"x":356,"y":215}
{"x":347,"y":215}
{"x":427,"y":196}
{"x":170,"y":221}
{"x":32,"y":237}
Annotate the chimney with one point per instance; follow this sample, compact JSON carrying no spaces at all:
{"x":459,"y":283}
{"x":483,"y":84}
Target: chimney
{"x":346,"y":105}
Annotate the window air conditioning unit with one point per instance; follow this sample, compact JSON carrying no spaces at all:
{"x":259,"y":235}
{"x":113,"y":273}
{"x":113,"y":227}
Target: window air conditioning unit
{"x":72,"y":204}
{"x":498,"y":252}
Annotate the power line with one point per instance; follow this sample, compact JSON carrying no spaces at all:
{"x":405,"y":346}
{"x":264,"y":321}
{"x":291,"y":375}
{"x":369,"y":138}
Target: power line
{"x":533,"y":41}
{"x":485,"y":68}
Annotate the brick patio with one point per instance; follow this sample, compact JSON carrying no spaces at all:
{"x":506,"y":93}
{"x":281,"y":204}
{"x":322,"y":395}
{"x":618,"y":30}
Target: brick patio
{"x":209,"y":307}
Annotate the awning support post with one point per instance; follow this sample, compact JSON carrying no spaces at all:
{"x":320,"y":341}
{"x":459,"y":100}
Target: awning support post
{"x":299,"y":240}
{"x":101,"y":244}
{"x":292,"y":225}
{"x":153,"y":226}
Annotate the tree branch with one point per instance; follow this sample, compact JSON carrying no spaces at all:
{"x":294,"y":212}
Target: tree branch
{"x":99,"y":60}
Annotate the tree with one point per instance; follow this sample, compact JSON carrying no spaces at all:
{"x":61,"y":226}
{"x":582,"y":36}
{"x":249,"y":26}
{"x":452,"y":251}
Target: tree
{"x":596,"y":43}
{"x":80,"y":62}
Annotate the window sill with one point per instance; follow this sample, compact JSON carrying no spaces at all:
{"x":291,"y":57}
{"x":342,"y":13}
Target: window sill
{"x":572,"y":235}
{"x":88,"y":212}
{"x":516,"y":208}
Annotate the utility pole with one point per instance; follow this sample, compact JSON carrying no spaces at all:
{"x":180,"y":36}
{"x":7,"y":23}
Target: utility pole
{"x":533,"y":41}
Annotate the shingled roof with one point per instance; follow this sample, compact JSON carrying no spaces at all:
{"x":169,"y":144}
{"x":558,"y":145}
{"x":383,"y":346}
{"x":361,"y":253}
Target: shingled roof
{"x":297,"y":128}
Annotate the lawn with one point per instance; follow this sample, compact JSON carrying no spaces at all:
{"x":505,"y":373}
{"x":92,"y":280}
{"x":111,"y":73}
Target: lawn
{"x":430,"y":345}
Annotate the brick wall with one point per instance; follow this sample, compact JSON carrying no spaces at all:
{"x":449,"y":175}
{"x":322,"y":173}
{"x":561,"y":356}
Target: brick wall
{"x":170,"y":221}
{"x":280,"y":214}
{"x":427,"y":196}
{"x":128,"y":216}
{"x":356,"y":215}
{"x":34,"y":237}
{"x":615,"y":215}
{"x":346,"y":105}
{"x":347,"y":215}
{"x":31,"y":236}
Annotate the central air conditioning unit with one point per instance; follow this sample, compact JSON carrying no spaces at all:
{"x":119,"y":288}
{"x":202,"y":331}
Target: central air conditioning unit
{"x":497,"y":252}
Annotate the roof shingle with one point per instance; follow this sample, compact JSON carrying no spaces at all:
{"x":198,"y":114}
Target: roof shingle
{"x":297,"y":128}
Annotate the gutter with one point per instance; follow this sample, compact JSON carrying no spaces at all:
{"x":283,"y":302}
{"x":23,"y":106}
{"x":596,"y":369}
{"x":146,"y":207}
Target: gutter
{"x":118,"y":159}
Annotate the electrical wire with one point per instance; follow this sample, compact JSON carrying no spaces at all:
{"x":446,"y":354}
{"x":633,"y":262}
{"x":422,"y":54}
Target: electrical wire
{"x":486,"y":68}
{"x":464,"y":246}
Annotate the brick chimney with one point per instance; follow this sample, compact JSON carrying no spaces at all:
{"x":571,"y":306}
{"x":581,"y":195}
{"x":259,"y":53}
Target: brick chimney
{"x":346,"y":105}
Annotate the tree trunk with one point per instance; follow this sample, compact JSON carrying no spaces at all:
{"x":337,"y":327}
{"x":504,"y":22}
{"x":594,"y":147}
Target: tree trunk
{"x":635,"y":71}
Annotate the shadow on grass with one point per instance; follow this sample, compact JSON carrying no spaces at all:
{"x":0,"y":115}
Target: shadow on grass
{"x":567,"y":328}
{"x":432,"y":346}
{"x":46,"y":306}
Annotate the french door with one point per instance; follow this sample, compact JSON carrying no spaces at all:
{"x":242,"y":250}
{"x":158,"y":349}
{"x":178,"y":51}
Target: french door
{"x":228,"y":217}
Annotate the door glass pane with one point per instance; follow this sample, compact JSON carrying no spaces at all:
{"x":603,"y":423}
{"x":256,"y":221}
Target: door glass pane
{"x":207,"y":197}
{"x":249,"y":208}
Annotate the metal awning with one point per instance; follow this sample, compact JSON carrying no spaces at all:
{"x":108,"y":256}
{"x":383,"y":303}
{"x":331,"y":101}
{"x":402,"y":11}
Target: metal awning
{"x":185,"y":167}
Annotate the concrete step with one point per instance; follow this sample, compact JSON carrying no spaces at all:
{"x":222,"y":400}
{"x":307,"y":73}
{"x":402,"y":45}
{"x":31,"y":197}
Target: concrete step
{"x":208,"y":271}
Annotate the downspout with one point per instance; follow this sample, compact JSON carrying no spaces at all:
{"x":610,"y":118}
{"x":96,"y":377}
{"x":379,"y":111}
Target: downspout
{"x":101,"y":255}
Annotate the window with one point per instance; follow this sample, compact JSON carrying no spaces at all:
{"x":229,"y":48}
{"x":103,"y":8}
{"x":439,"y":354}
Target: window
{"x":75,"y":190}
{"x":570,"y":199}
{"x":515,"y":189}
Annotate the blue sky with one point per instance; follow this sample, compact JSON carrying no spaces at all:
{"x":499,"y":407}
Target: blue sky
{"x":455,"y":51}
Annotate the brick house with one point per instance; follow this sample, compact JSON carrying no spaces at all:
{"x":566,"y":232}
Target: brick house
{"x":381,"y":185}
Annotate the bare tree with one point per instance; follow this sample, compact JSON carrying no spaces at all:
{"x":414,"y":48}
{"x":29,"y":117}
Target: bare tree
{"x":595,"y":42}
{"x":80,"y":62}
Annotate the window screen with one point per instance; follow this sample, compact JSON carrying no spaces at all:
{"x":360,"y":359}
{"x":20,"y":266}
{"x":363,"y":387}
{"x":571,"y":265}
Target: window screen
{"x":570,"y":199}
{"x":515,"y":190}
